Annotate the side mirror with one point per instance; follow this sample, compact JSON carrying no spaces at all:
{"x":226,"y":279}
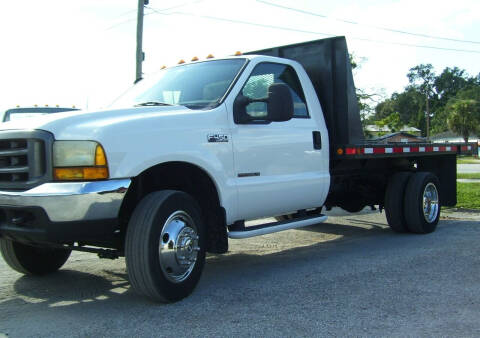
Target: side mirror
{"x":240,"y":115}
{"x":279,"y":103}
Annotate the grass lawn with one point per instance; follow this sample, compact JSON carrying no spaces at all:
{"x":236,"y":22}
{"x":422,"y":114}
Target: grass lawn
{"x":469,"y":175}
{"x":468,"y":160}
{"x":468,"y":195}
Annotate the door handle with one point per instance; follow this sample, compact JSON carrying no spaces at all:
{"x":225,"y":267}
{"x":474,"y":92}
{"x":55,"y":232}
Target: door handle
{"x":317,"y":140}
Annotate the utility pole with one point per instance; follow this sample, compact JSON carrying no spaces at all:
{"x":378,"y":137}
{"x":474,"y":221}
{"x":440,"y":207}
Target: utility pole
{"x":139,"y":55}
{"x":428,"y":117}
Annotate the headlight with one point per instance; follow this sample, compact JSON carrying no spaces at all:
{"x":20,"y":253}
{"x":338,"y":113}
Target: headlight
{"x":79,"y":160}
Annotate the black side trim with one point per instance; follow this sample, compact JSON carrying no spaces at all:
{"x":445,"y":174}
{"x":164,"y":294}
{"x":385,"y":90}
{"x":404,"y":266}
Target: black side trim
{"x":248,"y":174}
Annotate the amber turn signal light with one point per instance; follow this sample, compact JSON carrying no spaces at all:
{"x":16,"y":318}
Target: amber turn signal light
{"x":80,"y":173}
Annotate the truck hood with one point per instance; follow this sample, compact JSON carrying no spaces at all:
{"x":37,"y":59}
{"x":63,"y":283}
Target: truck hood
{"x":87,"y":124}
{"x":138,"y":138}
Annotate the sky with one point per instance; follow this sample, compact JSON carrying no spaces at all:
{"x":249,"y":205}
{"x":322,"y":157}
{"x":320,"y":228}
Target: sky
{"x":82,"y":52}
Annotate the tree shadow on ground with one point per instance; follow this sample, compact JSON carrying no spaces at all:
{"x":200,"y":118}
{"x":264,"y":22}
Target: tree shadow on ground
{"x":70,"y":286}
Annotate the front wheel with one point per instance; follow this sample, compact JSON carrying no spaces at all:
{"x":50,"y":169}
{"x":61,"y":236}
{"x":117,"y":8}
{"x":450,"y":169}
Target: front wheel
{"x":165,"y":246}
{"x":422,"y":203}
{"x":32,"y":260}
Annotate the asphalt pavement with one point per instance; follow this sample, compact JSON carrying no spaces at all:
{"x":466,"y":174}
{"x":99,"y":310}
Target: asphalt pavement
{"x":351,"y":276}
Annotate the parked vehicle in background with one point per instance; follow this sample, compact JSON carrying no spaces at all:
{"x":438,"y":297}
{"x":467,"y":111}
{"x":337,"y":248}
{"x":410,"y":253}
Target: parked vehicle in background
{"x":182,"y":160}
{"x":27,"y":112}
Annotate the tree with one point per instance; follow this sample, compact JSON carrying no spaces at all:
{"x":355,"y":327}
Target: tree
{"x":392,"y":121}
{"x":474,"y":81}
{"x":365,"y":100}
{"x":437,"y":123}
{"x":422,"y":77}
{"x":365,"y":104}
{"x":470,"y":93}
{"x":438,"y":92}
{"x":410,"y":105}
{"x":464,"y":117}
{"x":449,"y":83}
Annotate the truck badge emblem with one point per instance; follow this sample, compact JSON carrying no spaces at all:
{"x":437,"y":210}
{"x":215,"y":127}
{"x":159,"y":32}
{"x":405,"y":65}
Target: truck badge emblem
{"x":217,"y":138}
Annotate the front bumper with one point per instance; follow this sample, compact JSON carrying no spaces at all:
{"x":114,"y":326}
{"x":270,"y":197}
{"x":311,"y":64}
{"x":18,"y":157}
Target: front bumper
{"x":62,"y":211}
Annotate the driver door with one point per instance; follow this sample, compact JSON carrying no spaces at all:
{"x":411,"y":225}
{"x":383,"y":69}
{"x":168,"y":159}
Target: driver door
{"x":276,"y":166}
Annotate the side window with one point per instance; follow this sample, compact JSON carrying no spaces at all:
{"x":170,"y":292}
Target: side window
{"x":265,"y":74}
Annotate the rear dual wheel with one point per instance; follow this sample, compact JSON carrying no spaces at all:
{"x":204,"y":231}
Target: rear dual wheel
{"x":422,"y":203}
{"x":394,"y":201}
{"x":412,"y":202}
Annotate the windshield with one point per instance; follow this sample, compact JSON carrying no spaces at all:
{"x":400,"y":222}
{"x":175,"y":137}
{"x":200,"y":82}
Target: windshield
{"x":197,"y":85}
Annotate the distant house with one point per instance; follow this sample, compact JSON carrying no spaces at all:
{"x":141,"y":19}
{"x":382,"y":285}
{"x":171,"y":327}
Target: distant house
{"x":400,"y":137}
{"x":450,"y":136}
{"x":375,"y":131}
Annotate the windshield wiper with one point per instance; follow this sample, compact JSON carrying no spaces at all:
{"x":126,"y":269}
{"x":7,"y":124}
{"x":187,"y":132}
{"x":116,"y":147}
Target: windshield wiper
{"x":153,"y":103}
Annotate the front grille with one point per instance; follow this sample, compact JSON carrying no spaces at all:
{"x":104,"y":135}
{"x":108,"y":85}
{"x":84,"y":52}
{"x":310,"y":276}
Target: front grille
{"x":23,"y":159}
{"x":14,"y":161}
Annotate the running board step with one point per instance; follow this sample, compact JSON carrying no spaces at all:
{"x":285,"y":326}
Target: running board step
{"x":269,"y":228}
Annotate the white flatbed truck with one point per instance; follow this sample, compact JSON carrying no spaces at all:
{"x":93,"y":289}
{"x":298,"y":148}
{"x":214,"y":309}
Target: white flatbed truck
{"x":183,"y":159}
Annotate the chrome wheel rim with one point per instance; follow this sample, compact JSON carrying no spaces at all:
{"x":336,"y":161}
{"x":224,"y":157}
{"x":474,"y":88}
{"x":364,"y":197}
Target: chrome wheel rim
{"x":430,"y":203}
{"x":178,"y":247}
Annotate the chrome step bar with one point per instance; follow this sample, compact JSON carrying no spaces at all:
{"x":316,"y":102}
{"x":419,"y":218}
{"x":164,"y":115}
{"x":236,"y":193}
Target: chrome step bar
{"x":269,"y":228}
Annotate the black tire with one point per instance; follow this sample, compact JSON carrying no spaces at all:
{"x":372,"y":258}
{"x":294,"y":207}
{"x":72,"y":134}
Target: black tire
{"x":417,"y":221}
{"x":147,"y":265}
{"x":394,"y":200}
{"x":31,"y":260}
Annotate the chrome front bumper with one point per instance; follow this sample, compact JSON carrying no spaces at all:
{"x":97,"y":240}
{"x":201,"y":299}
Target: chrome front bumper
{"x":72,"y":201}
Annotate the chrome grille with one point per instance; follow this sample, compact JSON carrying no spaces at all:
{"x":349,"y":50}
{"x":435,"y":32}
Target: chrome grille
{"x":23,"y":159}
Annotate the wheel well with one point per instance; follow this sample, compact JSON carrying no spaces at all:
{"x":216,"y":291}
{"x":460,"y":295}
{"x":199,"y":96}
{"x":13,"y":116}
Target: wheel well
{"x":184,"y":177}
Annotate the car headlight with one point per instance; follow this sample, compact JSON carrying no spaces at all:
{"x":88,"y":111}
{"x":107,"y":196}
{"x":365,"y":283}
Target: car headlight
{"x":79,"y":160}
